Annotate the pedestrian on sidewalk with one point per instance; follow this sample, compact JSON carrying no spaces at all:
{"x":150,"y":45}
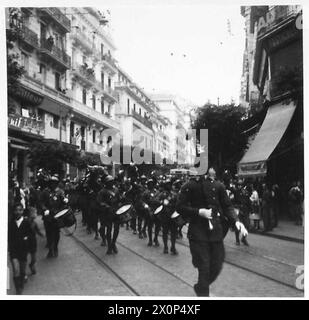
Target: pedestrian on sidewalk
{"x":276,"y":204}
{"x":19,"y":233}
{"x":296,"y":199}
{"x":267,"y":208}
{"x":32,"y":239}
{"x":255,"y":208}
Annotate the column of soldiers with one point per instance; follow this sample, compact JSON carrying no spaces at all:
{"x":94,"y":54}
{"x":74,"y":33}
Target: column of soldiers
{"x":154,"y":203}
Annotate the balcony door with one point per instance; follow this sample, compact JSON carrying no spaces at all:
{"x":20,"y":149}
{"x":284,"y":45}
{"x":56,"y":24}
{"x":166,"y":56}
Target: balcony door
{"x":43,"y":31}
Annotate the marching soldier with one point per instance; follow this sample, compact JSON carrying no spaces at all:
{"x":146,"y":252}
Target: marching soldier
{"x":53,"y":200}
{"x":150,"y":198}
{"x":108,"y":199}
{"x":168,"y":198}
{"x":206,"y":204}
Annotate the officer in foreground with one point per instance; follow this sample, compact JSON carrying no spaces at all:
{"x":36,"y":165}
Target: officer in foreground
{"x":204,"y":201}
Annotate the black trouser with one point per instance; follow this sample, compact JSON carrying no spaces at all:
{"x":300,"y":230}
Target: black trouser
{"x":157,"y":224}
{"x":208,"y":258}
{"x":103,"y":230}
{"x":19,"y":264}
{"x":112,"y":233}
{"x":55,"y":237}
{"x":169,"y":226}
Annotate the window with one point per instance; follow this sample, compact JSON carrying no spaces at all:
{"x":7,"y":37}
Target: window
{"x":134,"y":107}
{"x":145,"y":115}
{"x":42,"y":73}
{"x":102,"y":105}
{"x":25,"y":61}
{"x":102,"y":49}
{"x":109,"y":82}
{"x":93,"y":136}
{"x":128,"y":104}
{"x":55,"y":121}
{"x":93,"y":101}
{"x":84,"y":96}
{"x":57,"y":81}
{"x":109,"y":108}
{"x":102,"y":79}
{"x":140,"y":111}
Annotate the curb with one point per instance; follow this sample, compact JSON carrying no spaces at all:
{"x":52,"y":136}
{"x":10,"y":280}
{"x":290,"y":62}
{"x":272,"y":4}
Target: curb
{"x":278,"y":236}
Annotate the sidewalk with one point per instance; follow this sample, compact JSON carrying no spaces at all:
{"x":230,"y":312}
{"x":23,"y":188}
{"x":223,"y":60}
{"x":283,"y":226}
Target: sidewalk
{"x":286,"y":230}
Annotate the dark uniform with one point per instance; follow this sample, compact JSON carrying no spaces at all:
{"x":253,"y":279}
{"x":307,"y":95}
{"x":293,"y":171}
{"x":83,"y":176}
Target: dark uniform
{"x":109,"y":199}
{"x":53,"y":201}
{"x":150,"y":197}
{"x":206,"y":241}
{"x":168,"y":198}
{"x":134,"y":194}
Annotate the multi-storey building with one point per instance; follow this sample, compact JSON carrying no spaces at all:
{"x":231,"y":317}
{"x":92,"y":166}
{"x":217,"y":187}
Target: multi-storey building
{"x":40,"y":105}
{"x":249,"y":94}
{"x":67,"y":92}
{"x":179,"y":146}
{"x":135,"y":110}
{"x":276,"y":151}
{"x":91,"y":80}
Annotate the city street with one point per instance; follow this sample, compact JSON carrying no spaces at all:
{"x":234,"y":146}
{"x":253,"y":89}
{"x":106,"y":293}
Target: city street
{"x":160,"y":117}
{"x":265,"y":269}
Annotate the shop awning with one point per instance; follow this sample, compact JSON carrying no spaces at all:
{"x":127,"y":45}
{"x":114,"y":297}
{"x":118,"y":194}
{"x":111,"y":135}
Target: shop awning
{"x":274,"y":126}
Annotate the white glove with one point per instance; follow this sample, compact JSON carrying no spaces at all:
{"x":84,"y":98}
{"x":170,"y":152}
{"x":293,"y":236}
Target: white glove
{"x":166,"y":202}
{"x":46,"y":212}
{"x":65,"y":200}
{"x":205,"y":213}
{"x":146,"y":206}
{"x":240,"y":227}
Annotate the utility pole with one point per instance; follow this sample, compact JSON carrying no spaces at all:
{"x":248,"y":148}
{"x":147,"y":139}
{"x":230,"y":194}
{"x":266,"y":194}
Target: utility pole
{"x":218,"y":99}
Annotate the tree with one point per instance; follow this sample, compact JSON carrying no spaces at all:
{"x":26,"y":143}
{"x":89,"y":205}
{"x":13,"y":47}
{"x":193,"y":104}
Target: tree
{"x":52,"y":156}
{"x":226,"y":143}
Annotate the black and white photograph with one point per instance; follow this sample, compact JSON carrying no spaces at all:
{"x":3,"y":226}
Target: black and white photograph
{"x":153,"y":149}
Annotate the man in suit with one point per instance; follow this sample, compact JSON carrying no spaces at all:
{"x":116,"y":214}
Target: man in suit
{"x":19,"y":233}
{"x":204,"y":201}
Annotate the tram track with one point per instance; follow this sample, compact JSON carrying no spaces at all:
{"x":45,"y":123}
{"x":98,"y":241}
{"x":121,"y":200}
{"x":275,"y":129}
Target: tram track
{"x":105,"y":265}
{"x":135,"y":292}
{"x":248,"y":269}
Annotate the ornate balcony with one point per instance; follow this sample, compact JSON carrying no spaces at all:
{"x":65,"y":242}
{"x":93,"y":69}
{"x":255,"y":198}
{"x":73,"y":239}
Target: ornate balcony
{"x":80,"y":39}
{"x":110,"y":94}
{"x":28,"y":38}
{"x":93,"y":116}
{"x":55,"y":15}
{"x":108,"y":64}
{"x":141,"y":119}
{"x":86,"y":76}
{"x":26,"y":124}
{"x":54,"y":55}
{"x":133,"y":92}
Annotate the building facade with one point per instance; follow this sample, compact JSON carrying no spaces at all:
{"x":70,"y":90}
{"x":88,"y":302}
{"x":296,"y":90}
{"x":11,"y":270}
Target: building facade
{"x":276,"y":152}
{"x":182,"y":150}
{"x":250,"y":96}
{"x":67,"y":91}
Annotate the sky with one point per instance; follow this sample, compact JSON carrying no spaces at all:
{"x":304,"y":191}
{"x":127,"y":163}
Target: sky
{"x":186,"y":50}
